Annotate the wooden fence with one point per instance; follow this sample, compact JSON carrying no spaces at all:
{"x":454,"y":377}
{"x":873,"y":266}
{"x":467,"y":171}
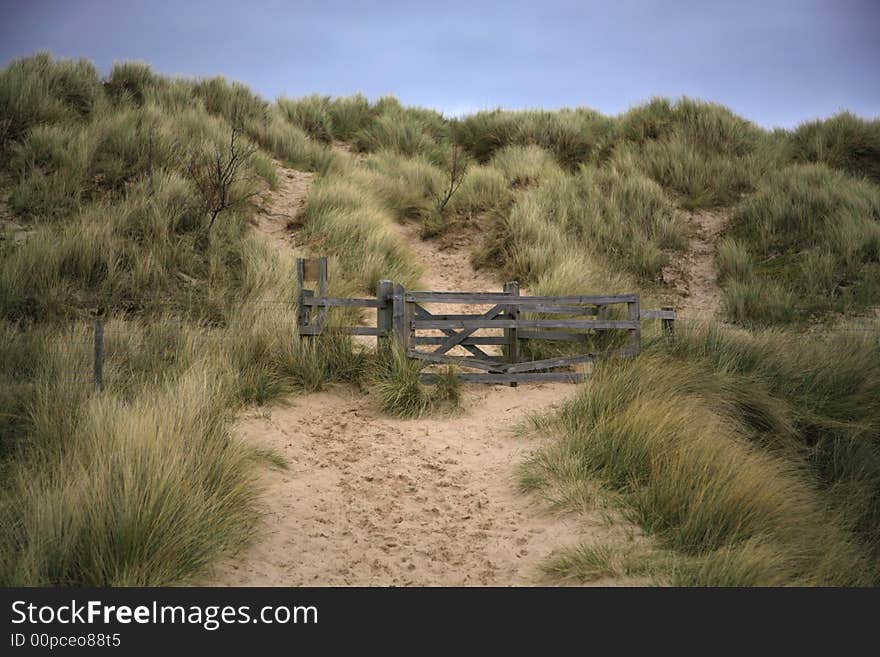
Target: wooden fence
{"x":429,"y":336}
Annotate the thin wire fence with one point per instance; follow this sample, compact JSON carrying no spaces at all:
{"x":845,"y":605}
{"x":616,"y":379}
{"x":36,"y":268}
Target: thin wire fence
{"x":88,"y":351}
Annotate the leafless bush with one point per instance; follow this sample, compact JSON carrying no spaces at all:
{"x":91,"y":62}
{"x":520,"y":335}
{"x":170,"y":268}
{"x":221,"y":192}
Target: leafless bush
{"x":219,"y":176}
{"x":457,"y":172}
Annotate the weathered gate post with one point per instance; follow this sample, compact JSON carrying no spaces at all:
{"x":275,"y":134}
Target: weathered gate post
{"x":510,"y":334}
{"x":668,"y":324}
{"x":635,"y":335}
{"x":384,"y":315}
{"x":313,"y":269}
{"x":303,"y":312}
{"x":322,"y":291}
{"x":398,"y":316}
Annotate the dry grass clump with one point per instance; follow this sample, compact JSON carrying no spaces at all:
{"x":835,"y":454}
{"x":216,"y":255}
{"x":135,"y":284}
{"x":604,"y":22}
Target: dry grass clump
{"x":808,"y":241}
{"x":844,"y":142}
{"x":707,"y":455}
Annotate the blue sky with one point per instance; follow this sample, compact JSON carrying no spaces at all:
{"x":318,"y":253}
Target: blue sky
{"x":777,"y":62}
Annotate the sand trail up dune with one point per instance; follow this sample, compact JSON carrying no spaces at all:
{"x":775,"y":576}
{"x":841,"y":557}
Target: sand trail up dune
{"x":699,"y":280}
{"x":369,"y":499}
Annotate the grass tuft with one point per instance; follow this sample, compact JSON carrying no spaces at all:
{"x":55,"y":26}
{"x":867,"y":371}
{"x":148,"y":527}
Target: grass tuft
{"x":678,"y":443}
{"x":813,"y":235}
{"x":397,"y":385}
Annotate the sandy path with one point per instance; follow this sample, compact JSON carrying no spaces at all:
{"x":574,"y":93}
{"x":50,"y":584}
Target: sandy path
{"x":283,"y":205}
{"x":447,"y":263}
{"x":373,"y":500}
{"x":447,"y":267}
{"x":702,"y":296}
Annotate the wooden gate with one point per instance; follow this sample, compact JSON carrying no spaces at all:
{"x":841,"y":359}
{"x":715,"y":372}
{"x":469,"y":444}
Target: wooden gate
{"x":509,"y":319}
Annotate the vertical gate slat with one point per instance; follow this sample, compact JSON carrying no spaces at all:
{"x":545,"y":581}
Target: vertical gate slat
{"x":512,"y":288}
{"x":384,"y":319}
{"x":322,"y":292}
{"x":668,"y":325}
{"x":303,"y":312}
{"x":635,"y":335}
{"x":398,"y":315}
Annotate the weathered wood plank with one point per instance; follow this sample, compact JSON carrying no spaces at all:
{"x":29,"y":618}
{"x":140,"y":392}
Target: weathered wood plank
{"x":362,"y":330}
{"x":467,"y":344}
{"x":311,"y":268}
{"x":409,"y":314}
{"x":384,"y":325}
{"x":472,"y":325}
{"x":423,"y":314}
{"x":303,"y":310}
{"x":322,"y":289}
{"x":512,"y":288}
{"x":398,"y":314}
{"x":471,"y":341}
{"x":667,"y":324}
{"x":666,"y":313}
{"x":635,"y":333}
{"x":563,"y":377}
{"x":344,"y":302}
{"x":457,"y":338}
{"x":557,"y":310}
{"x":566,"y":361}
{"x":549,"y":363}
{"x":347,"y":330}
{"x":500,"y":297}
{"x":461,"y":361}
{"x":588,"y":311}
{"x":554,"y":335}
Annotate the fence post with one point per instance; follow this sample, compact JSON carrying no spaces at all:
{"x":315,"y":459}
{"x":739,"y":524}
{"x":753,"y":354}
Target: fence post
{"x":398,"y":316}
{"x":384,"y":295}
{"x":409,"y":333}
{"x":302,"y":317}
{"x":99,"y":354}
{"x":668,"y":325}
{"x":635,"y":335}
{"x":510,"y":335}
{"x":322,"y":291}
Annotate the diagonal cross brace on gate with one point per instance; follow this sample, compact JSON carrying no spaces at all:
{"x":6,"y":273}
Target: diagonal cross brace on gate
{"x":421,"y":313}
{"x":458,"y":338}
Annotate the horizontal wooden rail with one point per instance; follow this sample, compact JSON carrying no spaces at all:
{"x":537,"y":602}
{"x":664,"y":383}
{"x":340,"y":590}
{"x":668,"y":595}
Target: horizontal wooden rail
{"x":338,"y":302}
{"x":421,"y":315}
{"x":554,"y":335}
{"x":345,"y":330}
{"x":516,"y":368}
{"x":501,"y":297}
{"x":525,"y":307}
{"x":425,"y":324}
{"x":657,"y":314}
{"x":470,"y":341}
{"x":476,"y":363}
{"x":522,"y":377}
{"x":557,"y":310}
{"x":550,"y":363}
{"x":566,"y":361}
